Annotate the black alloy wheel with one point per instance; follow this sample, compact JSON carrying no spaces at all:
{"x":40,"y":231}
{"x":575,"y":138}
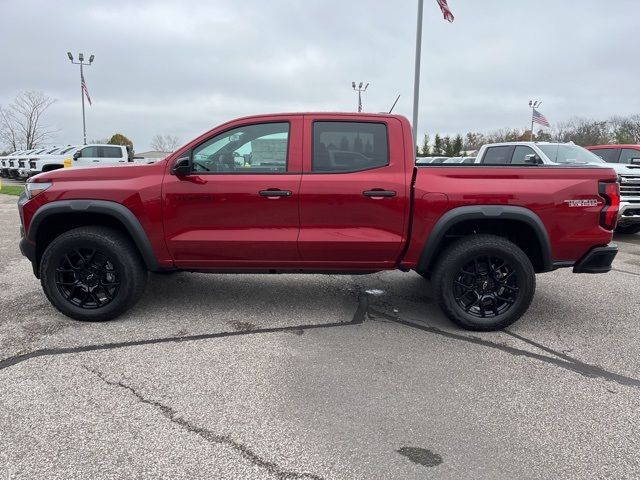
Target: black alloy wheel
{"x":486,"y":287}
{"x":87,"y":278}
{"x":483,"y":282}
{"x":92,"y":273}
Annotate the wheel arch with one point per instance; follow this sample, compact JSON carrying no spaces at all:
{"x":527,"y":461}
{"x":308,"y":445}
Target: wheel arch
{"x":57,"y":217}
{"x":518,"y":224}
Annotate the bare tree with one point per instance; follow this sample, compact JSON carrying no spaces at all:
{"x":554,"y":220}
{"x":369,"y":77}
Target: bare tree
{"x":21,"y":124}
{"x":165,"y":143}
{"x":584,"y":132}
{"x":626,"y":129}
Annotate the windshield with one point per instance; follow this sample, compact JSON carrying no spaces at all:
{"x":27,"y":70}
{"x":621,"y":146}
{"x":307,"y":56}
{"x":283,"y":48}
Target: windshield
{"x":566,"y":153}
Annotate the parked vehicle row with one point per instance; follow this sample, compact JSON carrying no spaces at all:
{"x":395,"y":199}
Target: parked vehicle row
{"x":317,"y":193}
{"x":27,"y":163}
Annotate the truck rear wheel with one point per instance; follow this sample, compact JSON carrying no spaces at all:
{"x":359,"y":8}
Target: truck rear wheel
{"x":484,"y":282}
{"x":92,"y":274}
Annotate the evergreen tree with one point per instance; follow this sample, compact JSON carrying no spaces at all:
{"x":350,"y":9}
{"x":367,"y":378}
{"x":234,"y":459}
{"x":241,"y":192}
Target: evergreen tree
{"x":457,"y":146}
{"x":437,"y":146}
{"x":448,"y":147}
{"x":425,"y":145}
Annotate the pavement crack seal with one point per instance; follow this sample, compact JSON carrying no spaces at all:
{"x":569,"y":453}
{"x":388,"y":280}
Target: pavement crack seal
{"x":560,"y":360}
{"x":358,"y":318}
{"x":211,"y":437}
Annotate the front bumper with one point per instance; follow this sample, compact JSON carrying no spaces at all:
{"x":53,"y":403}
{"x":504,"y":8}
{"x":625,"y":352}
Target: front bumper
{"x":597,"y":260}
{"x":629,"y":212}
{"x":27,"y":248}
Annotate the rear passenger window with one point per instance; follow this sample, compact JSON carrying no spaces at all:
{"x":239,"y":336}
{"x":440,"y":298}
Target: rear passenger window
{"x":609,"y":155}
{"x":520,"y":155}
{"x":349,"y":146}
{"x":110,"y":152}
{"x":497,"y":155}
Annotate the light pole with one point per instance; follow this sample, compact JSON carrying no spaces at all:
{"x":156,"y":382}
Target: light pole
{"x":533,"y":104}
{"x":82,"y":86}
{"x":416,"y":73}
{"x":359,"y":89}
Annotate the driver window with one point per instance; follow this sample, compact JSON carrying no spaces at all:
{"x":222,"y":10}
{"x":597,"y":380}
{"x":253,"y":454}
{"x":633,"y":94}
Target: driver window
{"x":258,"y":148}
{"x":89,"y":152}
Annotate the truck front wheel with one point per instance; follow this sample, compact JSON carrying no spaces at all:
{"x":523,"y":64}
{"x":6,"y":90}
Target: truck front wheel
{"x":92,"y":274}
{"x":484,"y":282}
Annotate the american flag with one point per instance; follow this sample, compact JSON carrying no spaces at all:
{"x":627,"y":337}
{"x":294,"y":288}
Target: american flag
{"x":448,"y":16}
{"x":540,"y":119}
{"x":83,"y":84}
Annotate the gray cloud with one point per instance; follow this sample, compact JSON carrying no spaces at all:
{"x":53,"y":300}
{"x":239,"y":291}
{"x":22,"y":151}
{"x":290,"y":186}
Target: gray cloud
{"x":183,"y":67}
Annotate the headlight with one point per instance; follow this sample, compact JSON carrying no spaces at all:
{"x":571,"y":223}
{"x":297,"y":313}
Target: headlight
{"x":33,"y":189}
{"x":32,"y":164}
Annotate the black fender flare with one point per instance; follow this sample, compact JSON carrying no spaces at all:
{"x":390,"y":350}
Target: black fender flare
{"x":105,"y":207}
{"x":484,"y":212}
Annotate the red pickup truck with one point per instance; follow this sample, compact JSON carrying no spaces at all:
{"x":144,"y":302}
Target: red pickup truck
{"x":317,"y":193}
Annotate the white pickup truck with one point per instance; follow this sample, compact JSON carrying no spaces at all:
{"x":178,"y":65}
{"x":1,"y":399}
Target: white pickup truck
{"x":545,"y":153}
{"x":92,"y":155}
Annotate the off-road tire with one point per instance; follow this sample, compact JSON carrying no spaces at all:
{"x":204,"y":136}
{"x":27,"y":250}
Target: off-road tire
{"x":124,"y":257}
{"x":459,"y":254}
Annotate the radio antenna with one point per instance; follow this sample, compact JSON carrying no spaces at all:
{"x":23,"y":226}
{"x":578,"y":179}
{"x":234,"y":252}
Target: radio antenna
{"x":394,"y":104}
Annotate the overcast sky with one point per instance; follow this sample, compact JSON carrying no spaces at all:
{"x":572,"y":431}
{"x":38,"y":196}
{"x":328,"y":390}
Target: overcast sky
{"x":182,"y":67}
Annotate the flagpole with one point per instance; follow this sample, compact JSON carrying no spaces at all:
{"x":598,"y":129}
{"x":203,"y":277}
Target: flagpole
{"x":531,"y":136}
{"x":416,"y":80}
{"x":83,"y":87}
{"x":84,"y":124}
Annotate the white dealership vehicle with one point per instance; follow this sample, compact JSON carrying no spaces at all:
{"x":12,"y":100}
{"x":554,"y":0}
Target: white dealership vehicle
{"x":20,"y":160}
{"x":4,"y":162}
{"x":544,"y":153}
{"x":24,"y":166}
{"x":79,"y":156}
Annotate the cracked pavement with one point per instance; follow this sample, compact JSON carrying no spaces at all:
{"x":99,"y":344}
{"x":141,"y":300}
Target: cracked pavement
{"x":294,"y":376}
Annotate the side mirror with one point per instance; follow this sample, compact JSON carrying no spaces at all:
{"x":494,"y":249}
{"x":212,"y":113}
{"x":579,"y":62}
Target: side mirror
{"x":533,"y":159}
{"x":76,"y":155}
{"x":635,"y":161}
{"x":182,"y":167}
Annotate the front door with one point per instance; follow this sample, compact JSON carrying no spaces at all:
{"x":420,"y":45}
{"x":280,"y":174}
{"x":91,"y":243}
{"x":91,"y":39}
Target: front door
{"x":238,"y":208}
{"x":354,"y":195}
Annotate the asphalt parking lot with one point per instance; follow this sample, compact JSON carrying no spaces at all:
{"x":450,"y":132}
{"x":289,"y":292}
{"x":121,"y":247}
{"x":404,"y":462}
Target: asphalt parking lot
{"x":319,"y":377}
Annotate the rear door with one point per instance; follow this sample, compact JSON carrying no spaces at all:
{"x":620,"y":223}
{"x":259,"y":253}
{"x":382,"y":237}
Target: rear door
{"x":110,"y":154}
{"x":238,"y":208}
{"x":353,"y":195}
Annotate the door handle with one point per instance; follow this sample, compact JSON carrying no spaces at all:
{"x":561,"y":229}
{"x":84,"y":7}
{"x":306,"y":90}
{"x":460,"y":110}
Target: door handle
{"x":275,"y":192}
{"x":379,"y":193}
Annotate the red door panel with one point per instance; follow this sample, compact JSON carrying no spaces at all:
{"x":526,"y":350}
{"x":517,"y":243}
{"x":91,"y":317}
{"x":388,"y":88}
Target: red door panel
{"x":236,"y":219}
{"x":343,"y":223}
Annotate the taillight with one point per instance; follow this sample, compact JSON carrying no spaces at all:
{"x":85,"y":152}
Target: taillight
{"x":610,"y":191}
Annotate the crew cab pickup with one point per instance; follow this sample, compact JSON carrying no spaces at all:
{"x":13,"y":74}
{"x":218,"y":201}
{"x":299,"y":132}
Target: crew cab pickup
{"x":317,"y":193}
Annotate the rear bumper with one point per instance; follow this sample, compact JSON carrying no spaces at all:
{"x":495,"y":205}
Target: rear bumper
{"x":597,"y":260}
